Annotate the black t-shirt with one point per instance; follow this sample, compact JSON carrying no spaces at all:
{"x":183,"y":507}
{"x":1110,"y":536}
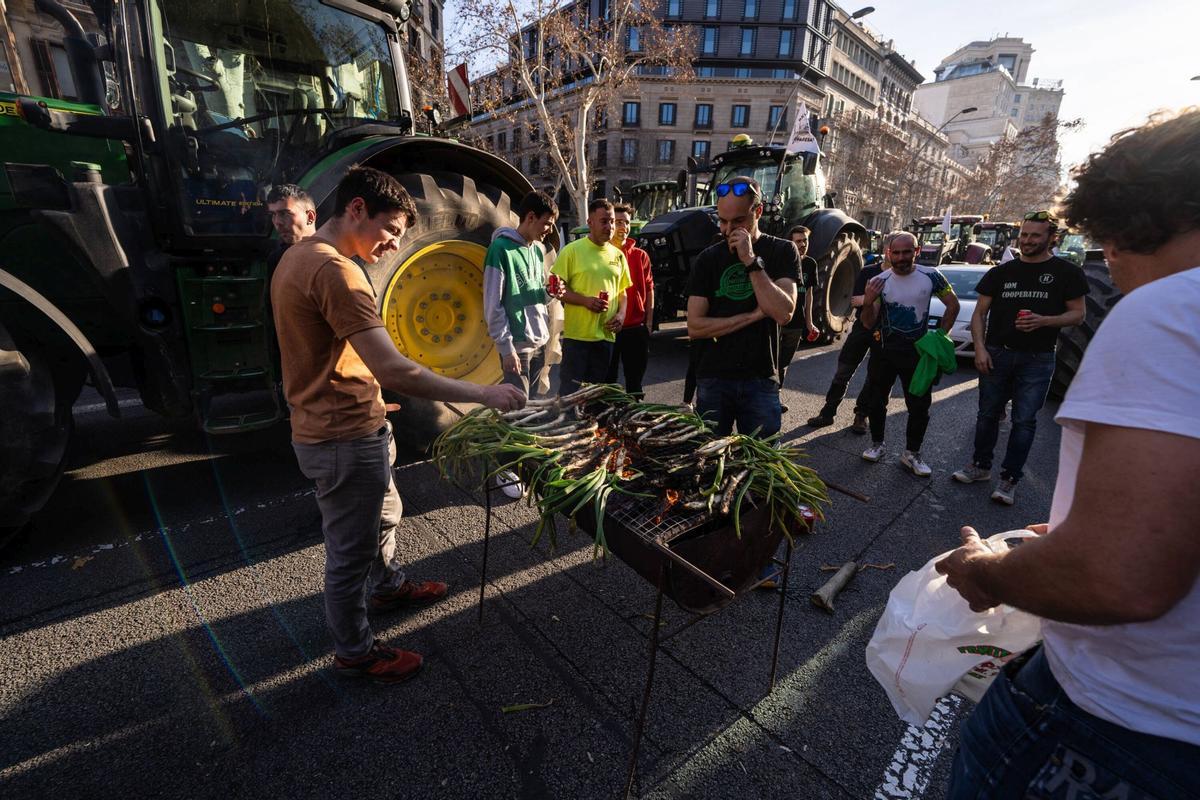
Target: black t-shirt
{"x":719,"y":275}
{"x":808,"y":283}
{"x":1042,"y":287}
{"x":860,"y":288}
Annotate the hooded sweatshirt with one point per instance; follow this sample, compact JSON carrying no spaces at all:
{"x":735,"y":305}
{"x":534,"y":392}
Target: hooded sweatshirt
{"x":514,"y":293}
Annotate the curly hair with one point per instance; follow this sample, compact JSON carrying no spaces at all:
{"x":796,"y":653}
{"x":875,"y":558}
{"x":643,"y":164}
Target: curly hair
{"x":1144,"y":188}
{"x":379,"y":191}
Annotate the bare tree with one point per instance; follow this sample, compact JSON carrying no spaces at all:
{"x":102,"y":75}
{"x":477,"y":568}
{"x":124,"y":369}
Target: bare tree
{"x":1018,"y":174}
{"x":563,"y":67}
{"x":868,"y":155}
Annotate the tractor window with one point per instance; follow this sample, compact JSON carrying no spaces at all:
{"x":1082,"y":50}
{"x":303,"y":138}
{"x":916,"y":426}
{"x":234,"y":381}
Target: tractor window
{"x":256,"y":91}
{"x":761,"y":171}
{"x":799,"y":194}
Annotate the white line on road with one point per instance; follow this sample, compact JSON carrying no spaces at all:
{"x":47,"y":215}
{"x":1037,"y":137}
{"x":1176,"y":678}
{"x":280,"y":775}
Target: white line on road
{"x":908,"y":774}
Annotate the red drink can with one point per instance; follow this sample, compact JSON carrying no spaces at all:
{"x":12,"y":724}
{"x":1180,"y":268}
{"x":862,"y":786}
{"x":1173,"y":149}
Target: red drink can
{"x":813,"y":336}
{"x":553,"y":286}
{"x":603,"y":296}
{"x":1024,"y":312}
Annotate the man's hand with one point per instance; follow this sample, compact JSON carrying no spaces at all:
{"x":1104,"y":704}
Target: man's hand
{"x":503,"y":397}
{"x":1040,"y":528}
{"x":873,"y":290}
{"x":739,"y":242}
{"x":615,"y":324}
{"x":511,"y":364}
{"x":983,"y":361}
{"x":960,"y":570}
{"x":1030,"y":322}
{"x":596,"y":305}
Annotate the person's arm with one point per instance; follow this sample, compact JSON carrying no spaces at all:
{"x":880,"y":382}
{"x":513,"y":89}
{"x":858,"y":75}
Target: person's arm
{"x":950,"y":301}
{"x":983,"y":359}
{"x":870,"y":306}
{"x":1127,"y":551}
{"x":776,"y":298}
{"x":808,"y":311}
{"x":702,"y":326}
{"x":1072,"y":316}
{"x":618,"y":320}
{"x":399,"y":374}
{"x":497,"y":317}
{"x":650,"y":308}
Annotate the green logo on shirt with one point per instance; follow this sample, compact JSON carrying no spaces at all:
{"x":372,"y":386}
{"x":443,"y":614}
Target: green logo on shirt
{"x":735,"y":282}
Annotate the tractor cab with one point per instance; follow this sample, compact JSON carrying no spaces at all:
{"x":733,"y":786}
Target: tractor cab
{"x":653,"y":198}
{"x":793,"y":185}
{"x":997,"y":237}
{"x":935,"y":247}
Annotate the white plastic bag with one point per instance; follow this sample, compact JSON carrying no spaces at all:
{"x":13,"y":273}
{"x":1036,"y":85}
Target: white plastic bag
{"x":929,"y":642}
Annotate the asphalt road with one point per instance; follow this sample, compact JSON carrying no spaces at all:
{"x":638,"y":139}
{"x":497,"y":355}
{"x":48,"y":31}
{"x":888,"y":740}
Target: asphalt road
{"x":162,"y":632}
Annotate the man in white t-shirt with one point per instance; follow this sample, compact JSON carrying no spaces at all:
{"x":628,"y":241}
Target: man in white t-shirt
{"x":1109,"y":704}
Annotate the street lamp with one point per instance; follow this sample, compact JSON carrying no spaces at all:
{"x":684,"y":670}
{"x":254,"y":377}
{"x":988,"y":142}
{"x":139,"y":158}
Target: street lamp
{"x":911,"y":161}
{"x":862,"y":12}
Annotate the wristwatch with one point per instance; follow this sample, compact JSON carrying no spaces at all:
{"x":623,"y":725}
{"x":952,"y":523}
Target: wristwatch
{"x":756,"y":265}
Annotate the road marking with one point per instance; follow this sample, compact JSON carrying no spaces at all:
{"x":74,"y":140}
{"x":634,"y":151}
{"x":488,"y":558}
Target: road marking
{"x":908,"y":775}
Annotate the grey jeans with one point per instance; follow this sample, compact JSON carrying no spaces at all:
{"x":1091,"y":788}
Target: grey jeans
{"x":532,"y":362}
{"x":360,"y":509}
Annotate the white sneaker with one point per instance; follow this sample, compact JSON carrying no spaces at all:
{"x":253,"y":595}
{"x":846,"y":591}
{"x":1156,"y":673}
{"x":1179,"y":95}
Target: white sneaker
{"x":1006,"y":492}
{"x":914,"y":463}
{"x":971,"y":474}
{"x":510,"y":484}
{"x":874,"y":452}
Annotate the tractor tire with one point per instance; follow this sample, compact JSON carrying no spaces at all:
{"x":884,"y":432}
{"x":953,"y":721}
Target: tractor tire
{"x":1101,"y":297}
{"x":430,"y":292}
{"x":837,"y":271}
{"x":35,"y":431}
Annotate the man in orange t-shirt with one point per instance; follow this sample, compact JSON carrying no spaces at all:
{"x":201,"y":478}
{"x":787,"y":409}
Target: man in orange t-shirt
{"x":632,"y":347}
{"x":335,"y":355}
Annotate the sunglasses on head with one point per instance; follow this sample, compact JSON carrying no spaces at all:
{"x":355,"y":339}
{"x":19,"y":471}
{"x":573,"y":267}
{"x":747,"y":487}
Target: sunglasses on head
{"x":1039,"y":216}
{"x":740,"y":189}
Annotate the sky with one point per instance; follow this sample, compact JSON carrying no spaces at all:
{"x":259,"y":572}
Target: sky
{"x":1119,"y":61}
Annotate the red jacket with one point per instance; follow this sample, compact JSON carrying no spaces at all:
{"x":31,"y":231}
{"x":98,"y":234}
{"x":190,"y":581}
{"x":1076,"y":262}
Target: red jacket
{"x":643,"y":283}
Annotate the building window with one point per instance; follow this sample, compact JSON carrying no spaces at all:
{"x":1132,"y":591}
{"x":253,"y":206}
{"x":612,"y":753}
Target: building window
{"x":674,"y":8}
{"x":629,"y":151}
{"x":434,"y":23}
{"x":710,"y":40}
{"x":747,"y":48}
{"x":740,"y":118}
{"x":535,"y":165}
{"x":54,"y":70}
{"x":631,"y":114}
{"x":1016,"y":98}
{"x":785,"y":41}
{"x":712,"y":9}
{"x":635,"y":40}
{"x":516,"y":139}
{"x":707,"y":72}
{"x":750,"y":9}
{"x":700,"y":151}
{"x":601,"y":153}
{"x":774,"y":116}
{"x":703,"y":115}
{"x":666,"y":113}
{"x":502,"y":142}
{"x":789,"y":10}
{"x":601,"y":190}
{"x":666,"y":151}
{"x":741,"y":72}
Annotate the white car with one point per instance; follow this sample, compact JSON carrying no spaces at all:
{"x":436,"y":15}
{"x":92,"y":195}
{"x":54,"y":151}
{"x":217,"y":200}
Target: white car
{"x":963,"y":277}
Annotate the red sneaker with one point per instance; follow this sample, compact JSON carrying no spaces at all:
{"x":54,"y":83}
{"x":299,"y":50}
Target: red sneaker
{"x":410,"y":593}
{"x":382,"y":664}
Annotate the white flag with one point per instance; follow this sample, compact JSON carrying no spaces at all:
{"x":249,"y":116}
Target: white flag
{"x":802,"y":139}
{"x":946,"y":223}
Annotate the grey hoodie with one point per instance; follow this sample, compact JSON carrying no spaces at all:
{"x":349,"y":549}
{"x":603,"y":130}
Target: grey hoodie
{"x":537,"y":318}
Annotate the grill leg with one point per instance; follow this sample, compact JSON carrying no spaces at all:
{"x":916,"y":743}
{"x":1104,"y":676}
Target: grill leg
{"x":641,"y":723}
{"x":487,"y":535}
{"x":787,"y":565}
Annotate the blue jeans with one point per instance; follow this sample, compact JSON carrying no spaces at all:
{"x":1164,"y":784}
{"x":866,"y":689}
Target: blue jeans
{"x":753,"y":403}
{"x":583,"y":362}
{"x":1026,"y":739}
{"x":1023,"y":378}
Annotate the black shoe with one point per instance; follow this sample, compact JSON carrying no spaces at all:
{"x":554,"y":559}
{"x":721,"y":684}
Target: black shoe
{"x":859,"y":425}
{"x":820,"y":421}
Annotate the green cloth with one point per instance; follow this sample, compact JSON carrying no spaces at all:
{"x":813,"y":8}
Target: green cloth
{"x":937,"y":359}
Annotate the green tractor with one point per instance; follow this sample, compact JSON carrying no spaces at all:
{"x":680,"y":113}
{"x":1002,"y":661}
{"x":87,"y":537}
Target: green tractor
{"x":133,"y":228}
{"x":795,"y":194}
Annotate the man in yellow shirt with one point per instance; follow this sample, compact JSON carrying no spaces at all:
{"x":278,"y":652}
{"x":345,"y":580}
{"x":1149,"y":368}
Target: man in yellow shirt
{"x":594,"y":273}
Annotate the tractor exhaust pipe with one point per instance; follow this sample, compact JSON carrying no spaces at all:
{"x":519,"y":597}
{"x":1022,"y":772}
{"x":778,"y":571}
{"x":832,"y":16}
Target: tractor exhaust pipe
{"x":85,"y":67}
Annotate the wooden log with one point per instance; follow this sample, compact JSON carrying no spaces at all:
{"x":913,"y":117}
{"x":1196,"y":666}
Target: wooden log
{"x":823,"y":597}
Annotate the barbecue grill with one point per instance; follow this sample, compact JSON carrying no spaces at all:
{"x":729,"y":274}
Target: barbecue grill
{"x":697,"y":560}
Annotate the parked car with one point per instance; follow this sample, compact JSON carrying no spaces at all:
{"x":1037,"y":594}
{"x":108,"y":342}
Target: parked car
{"x":963,"y":278}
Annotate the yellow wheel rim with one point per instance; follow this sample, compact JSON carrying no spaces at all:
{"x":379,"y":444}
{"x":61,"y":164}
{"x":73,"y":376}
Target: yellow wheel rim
{"x":433,"y":310}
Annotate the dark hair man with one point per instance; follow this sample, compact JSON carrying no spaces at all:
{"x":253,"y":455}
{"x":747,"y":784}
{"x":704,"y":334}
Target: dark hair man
{"x":335,"y":355}
{"x":632,"y":346}
{"x":858,"y":343}
{"x":899,"y":301}
{"x":1109,"y":704}
{"x":800,"y":326}
{"x":596,"y":274}
{"x":1023,"y":303}
{"x":740,"y":291}
{"x":293,"y":213}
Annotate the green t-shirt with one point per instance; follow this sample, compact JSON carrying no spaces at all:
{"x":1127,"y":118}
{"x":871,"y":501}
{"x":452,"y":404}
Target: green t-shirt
{"x":589,"y":269}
